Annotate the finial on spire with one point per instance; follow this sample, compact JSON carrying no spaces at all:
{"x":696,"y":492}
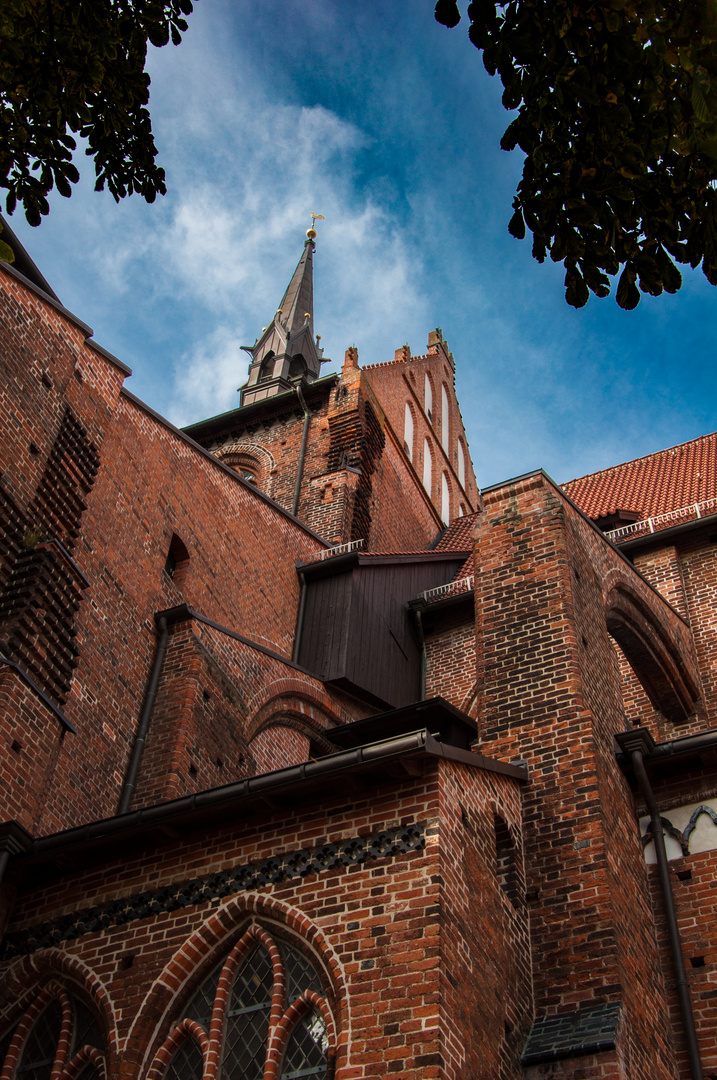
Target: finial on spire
{"x":311,"y":233}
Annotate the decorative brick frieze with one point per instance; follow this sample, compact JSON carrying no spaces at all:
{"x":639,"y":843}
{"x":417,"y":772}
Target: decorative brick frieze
{"x":294,"y":864}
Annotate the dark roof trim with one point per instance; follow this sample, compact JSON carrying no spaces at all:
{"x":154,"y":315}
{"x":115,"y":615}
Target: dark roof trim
{"x":49,"y":298}
{"x":29,"y":682}
{"x":340,"y":564}
{"x":445,"y":603}
{"x":682,"y":750}
{"x":184,"y":612}
{"x":52,"y":300}
{"x":557,"y":488}
{"x":24,"y":264}
{"x":220,"y":465}
{"x":518,"y":480}
{"x":221,"y":421}
{"x":96,"y":347}
{"x":575,"y":1034}
{"x":217,"y":801}
{"x":444,"y":721}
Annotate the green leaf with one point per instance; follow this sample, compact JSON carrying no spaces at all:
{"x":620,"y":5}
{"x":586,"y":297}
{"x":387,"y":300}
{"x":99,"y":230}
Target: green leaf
{"x":577,"y":293}
{"x":447,"y":13}
{"x":628,"y":294}
{"x":516,"y":226}
{"x":6,"y":253}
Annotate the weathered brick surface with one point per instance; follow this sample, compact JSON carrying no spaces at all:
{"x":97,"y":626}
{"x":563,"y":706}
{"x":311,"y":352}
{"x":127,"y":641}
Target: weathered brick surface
{"x":392,"y":936}
{"x":529,"y":901}
{"x":551,"y":696}
{"x":451,"y":658}
{"x":358,"y":481}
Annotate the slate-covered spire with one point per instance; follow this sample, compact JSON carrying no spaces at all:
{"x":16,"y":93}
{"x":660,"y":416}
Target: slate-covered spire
{"x":287,"y":350}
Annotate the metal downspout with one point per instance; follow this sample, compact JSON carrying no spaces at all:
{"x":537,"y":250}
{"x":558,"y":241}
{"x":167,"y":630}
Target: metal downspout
{"x":422,"y":643}
{"x":302,"y":451}
{"x":673,"y":930}
{"x":145,"y":717}
{"x":299,"y":620}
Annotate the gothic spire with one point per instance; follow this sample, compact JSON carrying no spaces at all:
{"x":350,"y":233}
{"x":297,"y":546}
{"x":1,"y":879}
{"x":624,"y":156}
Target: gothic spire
{"x":287,"y":351}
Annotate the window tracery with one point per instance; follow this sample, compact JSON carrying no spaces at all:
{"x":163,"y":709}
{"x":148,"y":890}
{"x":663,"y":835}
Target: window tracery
{"x":260,"y":1013}
{"x":57,"y":1036}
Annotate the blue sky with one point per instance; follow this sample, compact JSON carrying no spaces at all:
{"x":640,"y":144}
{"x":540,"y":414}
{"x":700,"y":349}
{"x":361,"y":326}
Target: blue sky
{"x":385,"y":122}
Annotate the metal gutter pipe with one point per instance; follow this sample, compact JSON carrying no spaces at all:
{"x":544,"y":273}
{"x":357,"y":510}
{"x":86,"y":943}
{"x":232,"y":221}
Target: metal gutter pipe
{"x":302,"y":451}
{"x":673,"y":930}
{"x":145,"y":717}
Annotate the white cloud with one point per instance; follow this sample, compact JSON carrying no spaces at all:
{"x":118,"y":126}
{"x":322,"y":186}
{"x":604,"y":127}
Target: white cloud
{"x":207,"y":379}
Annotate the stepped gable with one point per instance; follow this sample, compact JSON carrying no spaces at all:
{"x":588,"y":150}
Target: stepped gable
{"x":655,"y":484}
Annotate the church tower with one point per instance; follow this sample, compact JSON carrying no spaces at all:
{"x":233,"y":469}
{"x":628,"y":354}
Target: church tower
{"x":287,"y":352}
{"x":375,"y":453}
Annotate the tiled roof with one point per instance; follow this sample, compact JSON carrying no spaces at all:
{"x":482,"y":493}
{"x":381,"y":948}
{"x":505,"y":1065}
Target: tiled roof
{"x":458,"y":535}
{"x":567,"y":1035}
{"x":651,"y":485}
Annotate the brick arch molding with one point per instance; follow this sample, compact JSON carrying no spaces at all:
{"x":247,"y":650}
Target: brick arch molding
{"x":252,"y":455}
{"x":25,"y":979}
{"x":656,"y":658}
{"x":293,"y":697}
{"x":205,"y":947}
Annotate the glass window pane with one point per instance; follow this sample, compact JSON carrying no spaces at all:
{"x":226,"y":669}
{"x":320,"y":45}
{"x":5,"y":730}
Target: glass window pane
{"x":247,"y":1024}
{"x":38,"y":1055}
{"x":300,"y":974}
{"x":90,"y":1072}
{"x":186,"y":1063}
{"x":306,"y":1053}
{"x":202,"y":1001}
{"x":87,"y":1029}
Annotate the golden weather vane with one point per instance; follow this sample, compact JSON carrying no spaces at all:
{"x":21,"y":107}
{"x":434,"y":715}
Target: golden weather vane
{"x":311,"y":233}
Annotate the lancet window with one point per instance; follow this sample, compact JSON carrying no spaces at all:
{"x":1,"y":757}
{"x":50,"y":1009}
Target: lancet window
{"x":58,"y":1036}
{"x":261,"y":1013}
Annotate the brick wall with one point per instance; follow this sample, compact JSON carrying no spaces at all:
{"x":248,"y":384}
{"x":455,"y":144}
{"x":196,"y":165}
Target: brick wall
{"x":451,"y":658}
{"x":386,"y":932}
{"x":551,"y":695}
{"x":402,"y":381}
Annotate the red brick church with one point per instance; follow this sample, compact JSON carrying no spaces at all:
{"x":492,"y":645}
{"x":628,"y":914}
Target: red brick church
{"x":317,"y":760}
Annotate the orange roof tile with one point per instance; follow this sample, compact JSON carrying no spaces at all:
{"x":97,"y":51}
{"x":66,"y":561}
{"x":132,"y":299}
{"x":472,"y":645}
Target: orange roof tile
{"x":655,"y":484}
{"x":458,"y":535}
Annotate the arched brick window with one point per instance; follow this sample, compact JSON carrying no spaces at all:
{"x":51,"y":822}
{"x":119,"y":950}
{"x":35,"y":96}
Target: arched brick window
{"x":57,"y":1036}
{"x":461,"y":465}
{"x":261,"y":1013}
{"x":428,"y":398}
{"x":445,"y":499}
{"x":445,"y":419}
{"x":427,"y":466}
{"x":177,"y":562}
{"x":408,"y":432}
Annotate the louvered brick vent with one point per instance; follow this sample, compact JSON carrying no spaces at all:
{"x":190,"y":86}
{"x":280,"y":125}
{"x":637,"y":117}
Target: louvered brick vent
{"x":40,"y":587}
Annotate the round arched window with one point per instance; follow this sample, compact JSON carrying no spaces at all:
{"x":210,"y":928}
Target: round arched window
{"x":263,"y":1006}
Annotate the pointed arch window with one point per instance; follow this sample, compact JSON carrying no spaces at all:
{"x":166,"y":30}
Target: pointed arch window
{"x":408,"y":432}
{"x":58,"y":1035}
{"x":427,"y":466}
{"x":461,"y":465}
{"x":262,"y":1011}
{"x":266,"y":370}
{"x":445,"y":499}
{"x":428,"y":398}
{"x":445,"y":418}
